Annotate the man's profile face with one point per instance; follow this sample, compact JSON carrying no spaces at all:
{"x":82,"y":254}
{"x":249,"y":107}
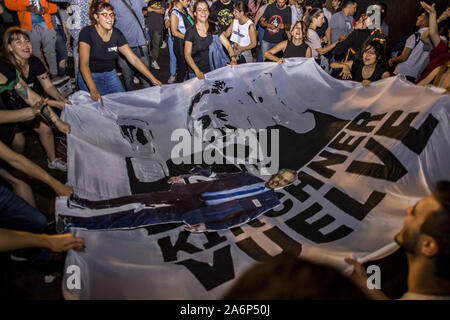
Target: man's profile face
{"x":409,"y":236}
{"x":280,"y":180}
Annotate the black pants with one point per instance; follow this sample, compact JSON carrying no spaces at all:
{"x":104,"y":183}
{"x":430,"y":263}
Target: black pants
{"x":178,"y":49}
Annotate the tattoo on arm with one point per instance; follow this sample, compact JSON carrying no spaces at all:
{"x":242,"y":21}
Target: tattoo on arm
{"x":43,"y":77}
{"x":22,"y":90}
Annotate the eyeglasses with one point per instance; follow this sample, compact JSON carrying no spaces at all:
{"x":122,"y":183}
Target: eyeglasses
{"x":106,"y":15}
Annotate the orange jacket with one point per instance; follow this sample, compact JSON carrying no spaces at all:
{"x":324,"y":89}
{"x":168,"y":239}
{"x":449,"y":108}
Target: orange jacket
{"x":25,"y":16}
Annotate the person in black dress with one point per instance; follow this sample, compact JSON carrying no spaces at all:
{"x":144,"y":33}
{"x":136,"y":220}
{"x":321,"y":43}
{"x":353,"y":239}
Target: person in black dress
{"x":296,"y":47}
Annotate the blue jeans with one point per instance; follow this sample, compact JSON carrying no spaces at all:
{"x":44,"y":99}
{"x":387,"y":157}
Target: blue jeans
{"x":266,"y":46}
{"x":106,"y":82}
{"x":260,"y":57}
{"x":129,"y":71}
{"x":17,"y":214}
{"x":61,"y":50}
{"x":173,"y":59}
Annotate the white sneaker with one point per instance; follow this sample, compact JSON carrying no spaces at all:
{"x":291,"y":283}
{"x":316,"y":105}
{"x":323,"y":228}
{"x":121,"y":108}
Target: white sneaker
{"x":172,"y":79}
{"x":155,"y":65}
{"x":57,"y":164}
{"x":136,"y":80}
{"x":164,"y":45}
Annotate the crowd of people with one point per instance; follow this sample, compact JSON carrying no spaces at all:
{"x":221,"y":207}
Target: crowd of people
{"x":123,"y":37}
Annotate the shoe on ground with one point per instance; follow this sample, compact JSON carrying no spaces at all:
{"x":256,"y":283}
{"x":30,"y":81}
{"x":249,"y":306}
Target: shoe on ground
{"x":155,"y":65}
{"x":136,"y":80}
{"x":164,"y":45}
{"x":57,"y":164}
{"x":171,"y":80}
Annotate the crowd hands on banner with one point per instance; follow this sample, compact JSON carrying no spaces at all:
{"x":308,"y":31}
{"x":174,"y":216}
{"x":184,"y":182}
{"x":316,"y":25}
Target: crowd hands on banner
{"x":274,"y":31}
{"x":423,"y":238}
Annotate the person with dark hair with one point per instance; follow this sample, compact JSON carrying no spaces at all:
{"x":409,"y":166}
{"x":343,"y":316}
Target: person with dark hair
{"x":242,"y":33}
{"x":35,"y":16}
{"x":371,"y":68}
{"x":277,"y":19}
{"x":17,"y":48}
{"x":287,"y":277}
{"x":99,"y":48}
{"x":336,"y":5}
{"x":180,"y":21}
{"x":415,"y":55}
{"x":198,"y":39}
{"x":314,"y":20}
{"x":296,"y":47}
{"x":341,"y":23}
{"x":426,"y":242}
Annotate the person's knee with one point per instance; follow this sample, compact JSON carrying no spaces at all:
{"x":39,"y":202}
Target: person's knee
{"x":18,"y":143}
{"x":44,"y":130}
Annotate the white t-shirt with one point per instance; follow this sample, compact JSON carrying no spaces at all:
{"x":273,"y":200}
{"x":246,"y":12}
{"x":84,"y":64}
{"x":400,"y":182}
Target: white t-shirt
{"x":327,"y":13}
{"x":314,"y":42}
{"x":240,"y":33}
{"x":418,"y":59}
{"x":297,"y":14}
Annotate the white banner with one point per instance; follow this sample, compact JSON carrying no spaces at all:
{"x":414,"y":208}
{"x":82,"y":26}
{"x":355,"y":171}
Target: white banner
{"x":362,"y":154}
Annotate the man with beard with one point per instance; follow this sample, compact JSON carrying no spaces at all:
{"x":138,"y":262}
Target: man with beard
{"x":426,"y":242}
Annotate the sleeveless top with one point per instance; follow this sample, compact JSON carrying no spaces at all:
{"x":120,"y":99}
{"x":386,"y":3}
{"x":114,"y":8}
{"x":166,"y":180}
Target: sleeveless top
{"x":183,"y":21}
{"x":295,"y":51}
{"x":356,"y":71}
{"x":240,"y":34}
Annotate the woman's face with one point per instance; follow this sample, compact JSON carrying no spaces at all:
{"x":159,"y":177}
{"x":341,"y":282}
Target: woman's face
{"x":237,"y":14}
{"x":369,"y":56}
{"x":21,"y":47}
{"x":185,"y":3}
{"x":297,"y":31}
{"x":335,"y":3}
{"x":105,"y":18}
{"x":319,"y":21}
{"x":202,"y":12}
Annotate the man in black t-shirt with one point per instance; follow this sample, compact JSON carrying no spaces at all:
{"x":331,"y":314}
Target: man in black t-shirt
{"x":222,"y":13}
{"x":277,"y":20}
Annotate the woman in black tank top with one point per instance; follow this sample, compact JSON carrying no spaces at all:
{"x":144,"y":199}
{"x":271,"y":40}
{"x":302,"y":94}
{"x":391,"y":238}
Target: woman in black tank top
{"x":296,"y":47}
{"x":372,"y":67}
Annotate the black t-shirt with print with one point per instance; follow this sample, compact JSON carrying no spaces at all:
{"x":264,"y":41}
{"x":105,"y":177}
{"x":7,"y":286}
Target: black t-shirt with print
{"x":276,"y":16}
{"x":37,"y":68}
{"x":222,"y":14}
{"x":103,"y":54}
{"x":200,"y":49}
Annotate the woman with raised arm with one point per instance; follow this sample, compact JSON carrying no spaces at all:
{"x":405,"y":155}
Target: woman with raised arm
{"x":99,"y":48}
{"x":296,"y":47}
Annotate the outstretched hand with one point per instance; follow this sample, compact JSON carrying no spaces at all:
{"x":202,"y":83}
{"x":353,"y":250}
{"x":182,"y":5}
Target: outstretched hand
{"x":429,"y":9}
{"x":64,"y":242}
